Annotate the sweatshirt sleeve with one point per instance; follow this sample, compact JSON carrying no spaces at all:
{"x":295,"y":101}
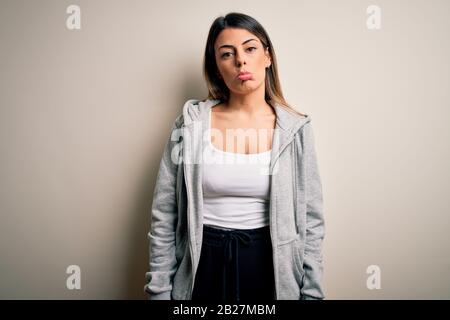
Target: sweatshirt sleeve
{"x":315,"y":224}
{"x":164,"y":215}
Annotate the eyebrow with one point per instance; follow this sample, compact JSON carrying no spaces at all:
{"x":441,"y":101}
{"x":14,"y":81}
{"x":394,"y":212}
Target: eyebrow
{"x":230,"y":46}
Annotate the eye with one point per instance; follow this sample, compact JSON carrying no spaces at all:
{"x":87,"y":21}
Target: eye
{"x":227,"y":54}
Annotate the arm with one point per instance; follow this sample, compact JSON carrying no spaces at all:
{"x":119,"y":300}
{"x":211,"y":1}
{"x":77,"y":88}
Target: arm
{"x":164,"y":215}
{"x":315,"y":226}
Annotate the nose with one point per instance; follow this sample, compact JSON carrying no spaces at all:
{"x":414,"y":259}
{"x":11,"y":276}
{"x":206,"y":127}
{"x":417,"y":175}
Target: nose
{"x":240,"y":58}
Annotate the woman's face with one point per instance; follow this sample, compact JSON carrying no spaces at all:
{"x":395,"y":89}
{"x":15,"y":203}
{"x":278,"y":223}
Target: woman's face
{"x":239,"y":50}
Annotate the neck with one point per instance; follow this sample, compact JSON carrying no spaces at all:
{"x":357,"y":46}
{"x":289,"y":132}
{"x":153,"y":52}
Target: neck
{"x":252,"y":103}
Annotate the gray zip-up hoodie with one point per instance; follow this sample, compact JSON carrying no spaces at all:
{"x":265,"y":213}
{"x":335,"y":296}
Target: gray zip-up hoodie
{"x":297,"y":226}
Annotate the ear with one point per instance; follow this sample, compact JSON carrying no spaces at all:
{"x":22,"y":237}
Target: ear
{"x":268,"y":58}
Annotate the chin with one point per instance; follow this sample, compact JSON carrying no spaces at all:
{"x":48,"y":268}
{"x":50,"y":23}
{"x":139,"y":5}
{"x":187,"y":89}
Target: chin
{"x":244,"y":90}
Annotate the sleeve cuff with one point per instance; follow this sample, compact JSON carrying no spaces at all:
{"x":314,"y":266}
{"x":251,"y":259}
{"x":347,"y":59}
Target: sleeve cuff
{"x":305,"y":297}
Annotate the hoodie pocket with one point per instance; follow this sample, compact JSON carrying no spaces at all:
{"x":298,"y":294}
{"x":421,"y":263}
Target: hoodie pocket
{"x":182,"y":278}
{"x":296,"y":253}
{"x":290,"y":270}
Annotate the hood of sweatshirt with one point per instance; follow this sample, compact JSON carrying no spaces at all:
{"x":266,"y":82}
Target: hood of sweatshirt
{"x":287,"y":123}
{"x":197,"y":110}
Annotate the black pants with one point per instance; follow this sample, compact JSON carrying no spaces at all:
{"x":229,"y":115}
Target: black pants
{"x":235,"y":265}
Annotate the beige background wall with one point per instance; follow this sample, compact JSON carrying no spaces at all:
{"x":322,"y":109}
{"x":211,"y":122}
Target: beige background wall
{"x":84,"y":115}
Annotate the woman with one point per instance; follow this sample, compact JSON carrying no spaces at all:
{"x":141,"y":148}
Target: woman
{"x":224,"y":228}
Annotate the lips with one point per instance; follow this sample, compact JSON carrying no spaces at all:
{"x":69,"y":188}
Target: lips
{"x":244,"y":75}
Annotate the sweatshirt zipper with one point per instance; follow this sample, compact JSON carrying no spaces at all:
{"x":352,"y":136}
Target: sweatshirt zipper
{"x":273,"y":246}
{"x":295,"y":187}
{"x":186,"y":181}
{"x":189,"y":238}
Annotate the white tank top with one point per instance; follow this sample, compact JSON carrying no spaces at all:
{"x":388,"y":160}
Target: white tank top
{"x":236,"y":188}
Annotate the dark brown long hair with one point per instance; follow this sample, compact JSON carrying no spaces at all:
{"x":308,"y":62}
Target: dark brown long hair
{"x":217,"y":88}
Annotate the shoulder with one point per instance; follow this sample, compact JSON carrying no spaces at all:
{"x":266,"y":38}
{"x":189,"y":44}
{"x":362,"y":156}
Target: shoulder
{"x":306,"y":128}
{"x":179,"y":121}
